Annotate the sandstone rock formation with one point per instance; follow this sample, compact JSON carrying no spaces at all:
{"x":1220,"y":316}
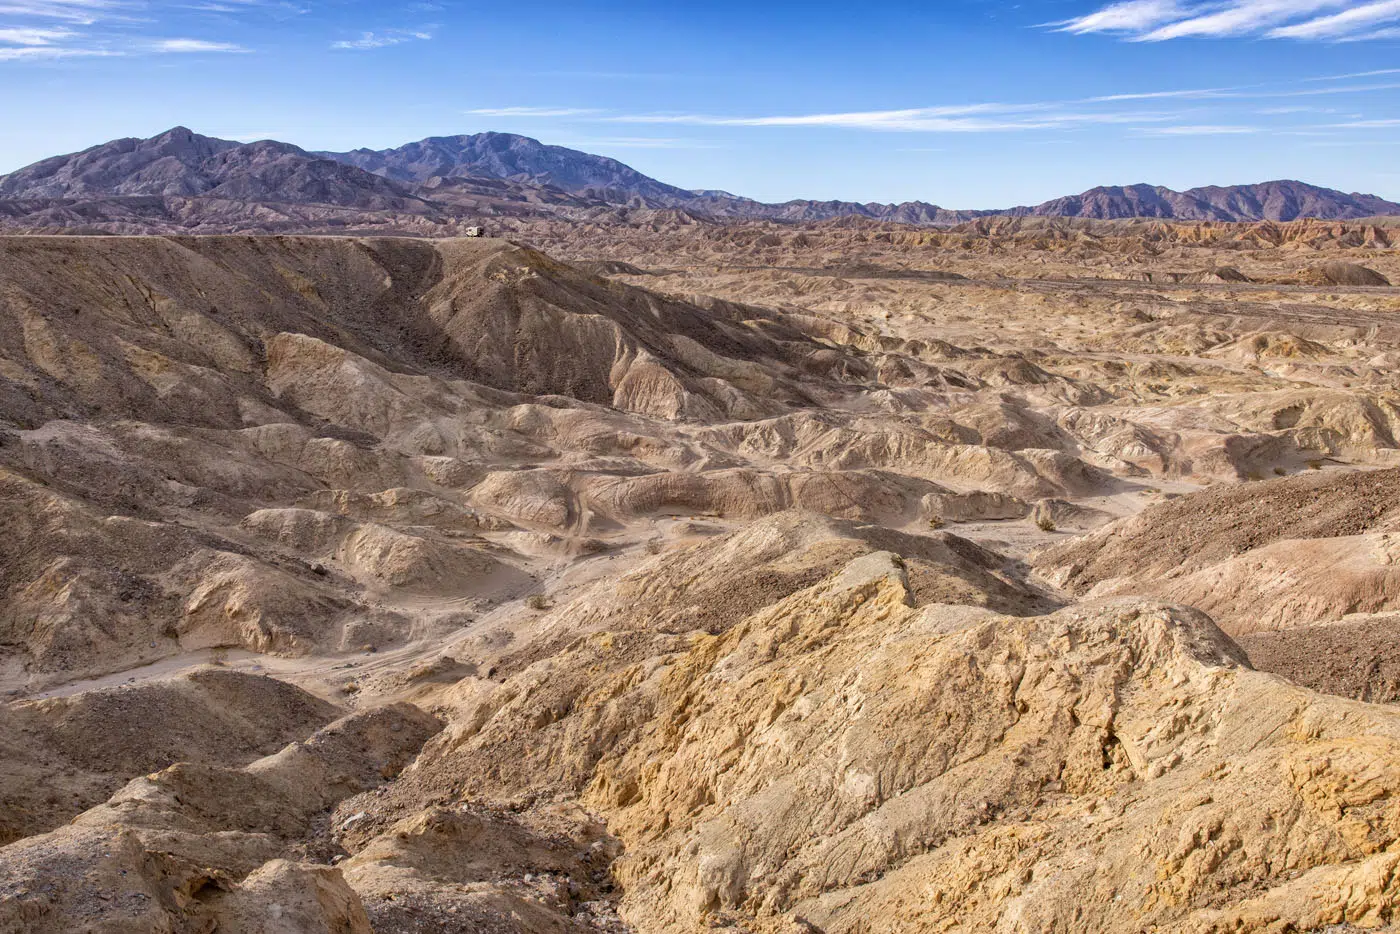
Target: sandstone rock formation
{"x":68,"y":753}
{"x":1035,"y":575}
{"x":841,"y":757}
{"x":1352,"y":274}
{"x":198,"y":846}
{"x":1266,"y":556}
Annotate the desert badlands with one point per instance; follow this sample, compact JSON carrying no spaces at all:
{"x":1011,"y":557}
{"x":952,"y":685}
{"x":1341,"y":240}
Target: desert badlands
{"x":682,"y":574}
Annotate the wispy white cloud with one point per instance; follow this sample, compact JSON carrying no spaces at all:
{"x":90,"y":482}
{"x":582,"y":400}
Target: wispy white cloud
{"x":872,"y":119}
{"x":1130,"y":16}
{"x":1367,"y":124}
{"x":379,"y":40}
{"x":243,"y":6}
{"x":1194,"y":111}
{"x":602,"y":75}
{"x":79,"y":12}
{"x":1347,"y":22}
{"x":1189,"y":94}
{"x":640,"y":142}
{"x":1344,"y":89}
{"x":531,"y":111}
{"x":1161,"y":20}
{"x":989,"y":117}
{"x":40,"y":43}
{"x":1353,"y":143}
{"x":195,"y":45}
{"x":1357,"y":74}
{"x":46,"y":30}
{"x":1242,"y":17}
{"x":1199,"y":130}
{"x":1391,"y":32}
{"x":969,"y":118}
{"x":32,"y":36}
{"x":32,"y":53}
{"x":1254,"y":92}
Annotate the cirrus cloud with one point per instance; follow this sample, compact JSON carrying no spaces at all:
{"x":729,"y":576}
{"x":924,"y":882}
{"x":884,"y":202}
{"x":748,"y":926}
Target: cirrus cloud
{"x":195,"y":45}
{"x":29,"y":36}
{"x":1162,"y":20}
{"x":52,"y":30}
{"x":531,"y":111}
{"x":380,"y":40}
{"x":1209,"y":129}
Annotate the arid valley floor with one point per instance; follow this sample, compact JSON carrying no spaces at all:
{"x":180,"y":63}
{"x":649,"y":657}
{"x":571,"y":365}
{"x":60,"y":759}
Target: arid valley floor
{"x":1031,"y":575}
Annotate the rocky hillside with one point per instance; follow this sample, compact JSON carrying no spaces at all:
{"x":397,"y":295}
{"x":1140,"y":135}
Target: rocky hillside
{"x":843,"y":577}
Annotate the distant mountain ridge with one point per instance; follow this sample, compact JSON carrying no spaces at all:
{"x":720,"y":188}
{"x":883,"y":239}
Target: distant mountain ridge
{"x":1267,"y":201}
{"x":496,"y":174}
{"x":518,"y":159}
{"x":180,"y":163}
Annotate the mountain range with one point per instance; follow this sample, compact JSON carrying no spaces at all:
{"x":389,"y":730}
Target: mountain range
{"x":183,"y":177}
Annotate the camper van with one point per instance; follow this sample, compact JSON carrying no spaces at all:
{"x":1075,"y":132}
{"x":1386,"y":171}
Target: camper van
{"x":476,"y":231}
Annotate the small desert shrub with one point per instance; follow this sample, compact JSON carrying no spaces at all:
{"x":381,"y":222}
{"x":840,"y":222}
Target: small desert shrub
{"x":1280,"y":472}
{"x":936,"y":522}
{"x":654,"y":546}
{"x":1045,"y":524}
{"x":537,"y":602}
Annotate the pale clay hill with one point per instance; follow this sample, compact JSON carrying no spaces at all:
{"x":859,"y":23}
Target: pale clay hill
{"x":674,"y":574}
{"x":182,"y":182}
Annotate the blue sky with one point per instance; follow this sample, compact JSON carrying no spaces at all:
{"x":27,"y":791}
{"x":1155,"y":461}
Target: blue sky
{"x":966,"y":103}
